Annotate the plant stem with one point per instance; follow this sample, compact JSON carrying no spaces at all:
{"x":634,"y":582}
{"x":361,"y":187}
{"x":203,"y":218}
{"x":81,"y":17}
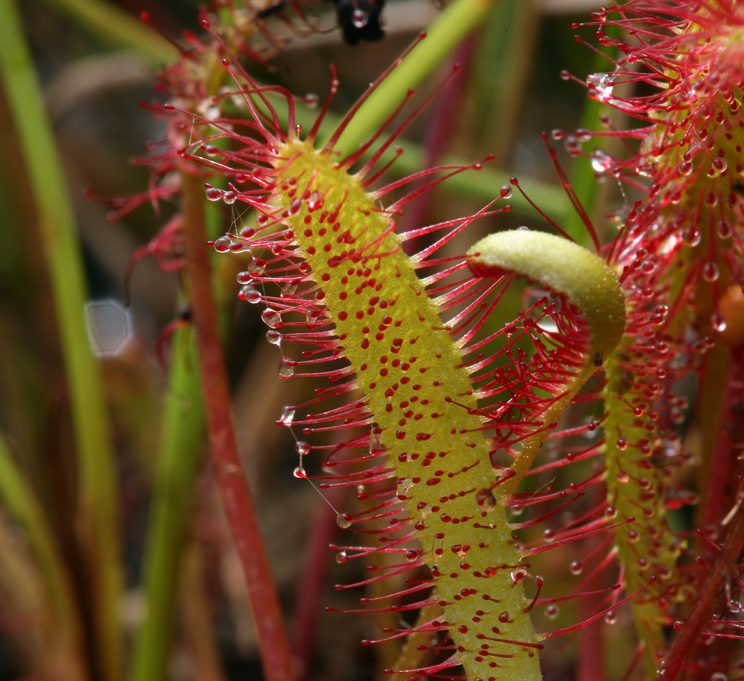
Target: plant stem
{"x":721,"y":484}
{"x":98,"y":514}
{"x":725,"y":568}
{"x":312,"y":581}
{"x":582,"y":177}
{"x":197,"y":616}
{"x":176,"y":468}
{"x":236,"y":499}
{"x":99,"y":17}
{"x":444,"y":35}
{"x":117,"y":27}
{"x":66,"y":645}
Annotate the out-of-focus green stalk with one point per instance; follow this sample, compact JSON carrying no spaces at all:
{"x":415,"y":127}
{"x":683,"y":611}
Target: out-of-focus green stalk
{"x":182,"y":434}
{"x":118,"y":28}
{"x":444,"y":35}
{"x":97,"y":513}
{"x":480,"y":186}
{"x":178,"y":459}
{"x":582,"y":177}
{"x":484,"y":184}
{"x":21,"y":503}
{"x":501,"y":73}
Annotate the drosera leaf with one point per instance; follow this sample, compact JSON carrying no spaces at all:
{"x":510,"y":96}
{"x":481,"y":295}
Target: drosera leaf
{"x":588,"y":283}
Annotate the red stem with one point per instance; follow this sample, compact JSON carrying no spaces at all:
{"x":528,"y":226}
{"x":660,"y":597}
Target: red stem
{"x":591,"y":640}
{"x":725,"y":568}
{"x":723,"y":479}
{"x":236,"y":498}
{"x":312,"y":584}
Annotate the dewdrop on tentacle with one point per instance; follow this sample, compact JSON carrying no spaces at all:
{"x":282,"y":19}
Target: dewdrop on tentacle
{"x":422,"y":397}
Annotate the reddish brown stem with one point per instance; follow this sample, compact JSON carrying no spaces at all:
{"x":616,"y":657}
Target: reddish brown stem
{"x":591,"y":640}
{"x":722,"y":486}
{"x":311,"y":586}
{"x":236,"y":498}
{"x":724,"y":569}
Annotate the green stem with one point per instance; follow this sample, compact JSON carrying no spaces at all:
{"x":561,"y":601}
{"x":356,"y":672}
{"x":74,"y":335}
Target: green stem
{"x":444,"y":35}
{"x":21,"y":503}
{"x":104,"y":20}
{"x":177,"y":465}
{"x":98,"y":515}
{"x":118,"y":28}
{"x":582,"y":177}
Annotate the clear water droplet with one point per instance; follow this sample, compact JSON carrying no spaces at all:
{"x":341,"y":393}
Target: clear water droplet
{"x":223,"y":244}
{"x":288,"y":414}
{"x":374,"y":441}
{"x":601,"y":84}
{"x":518,"y":575}
{"x":718,"y":322}
{"x":710,"y":271}
{"x":274,"y":337}
{"x":314,"y":202}
{"x":576,"y":567}
{"x":213,"y":194}
{"x":622,"y":477}
{"x":342,"y":557}
{"x":551,"y":612}
{"x":244,"y":278}
{"x":289,"y":289}
{"x":286,"y":368}
{"x":249,"y":293}
{"x":230,"y":197}
{"x":404,"y":486}
{"x":271,"y":317}
{"x":691,"y":236}
{"x":343,"y":520}
{"x":311,"y":100}
{"x":302,"y":448}
{"x":601,"y":162}
{"x":359,"y":19}
{"x":299,"y":472}
{"x":256,"y":266}
{"x":610,"y":617}
{"x":717,"y":168}
{"x":724,"y":230}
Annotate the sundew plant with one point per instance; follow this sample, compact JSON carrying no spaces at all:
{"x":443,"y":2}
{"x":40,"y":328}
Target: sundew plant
{"x":527,"y":440}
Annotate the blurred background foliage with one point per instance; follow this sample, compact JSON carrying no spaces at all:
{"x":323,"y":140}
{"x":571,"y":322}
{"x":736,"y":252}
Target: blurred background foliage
{"x":95,"y":61}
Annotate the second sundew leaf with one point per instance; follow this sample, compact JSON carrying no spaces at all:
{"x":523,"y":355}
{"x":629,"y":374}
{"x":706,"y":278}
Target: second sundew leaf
{"x":643,"y":448}
{"x":635,"y":488}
